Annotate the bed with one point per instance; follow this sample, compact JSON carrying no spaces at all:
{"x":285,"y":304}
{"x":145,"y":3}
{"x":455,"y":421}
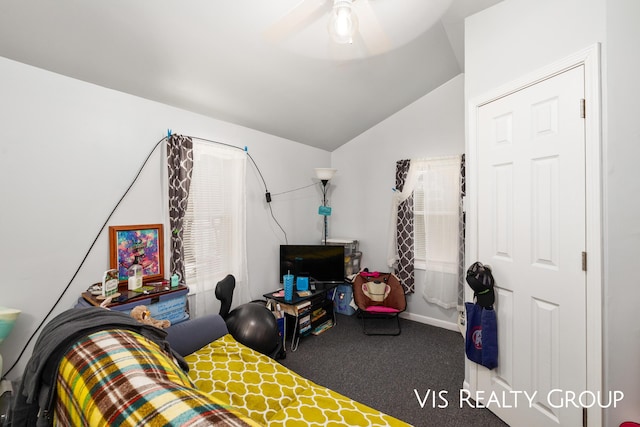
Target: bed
{"x":117,"y":373}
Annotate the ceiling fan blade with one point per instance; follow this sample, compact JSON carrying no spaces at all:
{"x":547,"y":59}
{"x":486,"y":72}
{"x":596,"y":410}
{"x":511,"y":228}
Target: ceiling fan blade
{"x":301,"y":16}
{"x":373,"y":36}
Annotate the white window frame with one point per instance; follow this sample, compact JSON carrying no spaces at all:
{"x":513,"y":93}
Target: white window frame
{"x":419,"y":238}
{"x":215,"y":225}
{"x":419,"y":242}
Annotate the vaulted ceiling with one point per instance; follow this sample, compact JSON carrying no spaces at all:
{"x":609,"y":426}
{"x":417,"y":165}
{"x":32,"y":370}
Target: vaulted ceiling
{"x":265,"y":64}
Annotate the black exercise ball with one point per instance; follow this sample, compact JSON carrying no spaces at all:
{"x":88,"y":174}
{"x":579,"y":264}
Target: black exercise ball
{"x":254,"y":325}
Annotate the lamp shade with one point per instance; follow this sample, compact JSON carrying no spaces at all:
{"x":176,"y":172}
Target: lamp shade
{"x":8,"y":318}
{"x":325,"y":173}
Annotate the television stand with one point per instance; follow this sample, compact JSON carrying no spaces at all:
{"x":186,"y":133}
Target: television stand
{"x":311,"y":314}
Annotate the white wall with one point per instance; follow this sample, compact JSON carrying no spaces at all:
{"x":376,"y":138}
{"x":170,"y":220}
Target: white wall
{"x":516,"y":37}
{"x":622,"y":209}
{"x":68,"y":151}
{"x":361,"y":192}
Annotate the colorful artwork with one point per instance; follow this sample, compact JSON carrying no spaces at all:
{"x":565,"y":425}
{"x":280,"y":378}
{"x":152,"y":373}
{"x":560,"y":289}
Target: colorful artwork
{"x":137,"y":245}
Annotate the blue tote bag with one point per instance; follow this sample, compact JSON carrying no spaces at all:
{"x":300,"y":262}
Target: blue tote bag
{"x":481,"y":341}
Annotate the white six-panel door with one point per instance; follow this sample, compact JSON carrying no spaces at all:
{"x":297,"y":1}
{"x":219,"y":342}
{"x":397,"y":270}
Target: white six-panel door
{"x":531,"y":230}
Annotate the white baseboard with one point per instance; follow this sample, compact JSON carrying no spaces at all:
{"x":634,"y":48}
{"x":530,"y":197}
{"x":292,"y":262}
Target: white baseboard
{"x":431,"y":321}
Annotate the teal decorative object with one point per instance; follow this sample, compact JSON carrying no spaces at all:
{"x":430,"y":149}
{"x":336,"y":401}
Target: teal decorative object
{"x":8,"y":318}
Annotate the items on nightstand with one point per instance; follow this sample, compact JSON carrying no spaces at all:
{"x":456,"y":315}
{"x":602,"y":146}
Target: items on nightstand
{"x":175,"y":281}
{"x":309,"y":314}
{"x":287,"y":279}
{"x":302,"y":284}
{"x":110,"y":283}
{"x":95,"y":289}
{"x":134,"y":276}
{"x":163,"y":302}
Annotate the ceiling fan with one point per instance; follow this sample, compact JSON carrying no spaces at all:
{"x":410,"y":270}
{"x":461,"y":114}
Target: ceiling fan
{"x":357,"y":28}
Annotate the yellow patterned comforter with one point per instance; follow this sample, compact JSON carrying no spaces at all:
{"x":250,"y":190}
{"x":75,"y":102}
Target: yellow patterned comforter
{"x":271,"y":394}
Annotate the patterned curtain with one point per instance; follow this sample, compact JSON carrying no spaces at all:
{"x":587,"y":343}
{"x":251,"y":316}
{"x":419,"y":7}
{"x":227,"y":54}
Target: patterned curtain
{"x":180,"y":164}
{"x":462,"y":222}
{"x":404,"y":267}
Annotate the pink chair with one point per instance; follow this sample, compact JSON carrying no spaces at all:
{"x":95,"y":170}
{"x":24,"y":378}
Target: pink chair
{"x":379,"y":296}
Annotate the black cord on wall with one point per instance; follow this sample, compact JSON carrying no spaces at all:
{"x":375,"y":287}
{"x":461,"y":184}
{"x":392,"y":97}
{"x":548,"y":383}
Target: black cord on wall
{"x":267,"y":194}
{"x":66,"y":288}
{"x":86,"y":255}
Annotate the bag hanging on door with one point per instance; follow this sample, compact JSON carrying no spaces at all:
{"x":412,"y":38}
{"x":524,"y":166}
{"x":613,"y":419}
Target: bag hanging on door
{"x":481,"y":341}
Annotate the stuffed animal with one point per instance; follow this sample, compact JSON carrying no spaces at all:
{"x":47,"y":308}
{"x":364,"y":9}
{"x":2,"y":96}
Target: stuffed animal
{"x":142,"y":315}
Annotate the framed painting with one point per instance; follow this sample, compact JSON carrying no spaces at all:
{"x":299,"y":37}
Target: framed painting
{"x":137,"y":244}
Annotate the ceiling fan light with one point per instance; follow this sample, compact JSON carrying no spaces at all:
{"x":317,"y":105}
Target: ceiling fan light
{"x":343,"y":23}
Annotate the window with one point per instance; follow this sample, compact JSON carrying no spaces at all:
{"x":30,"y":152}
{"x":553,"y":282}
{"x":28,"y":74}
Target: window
{"x":214,"y":224}
{"x":437,"y":228}
{"x":419,"y":241}
{"x":436,"y":217}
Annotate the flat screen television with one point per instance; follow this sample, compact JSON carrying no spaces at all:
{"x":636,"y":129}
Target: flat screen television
{"x":323,"y":264}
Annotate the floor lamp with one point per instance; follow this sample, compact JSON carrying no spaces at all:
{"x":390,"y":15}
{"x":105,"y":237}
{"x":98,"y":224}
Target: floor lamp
{"x":324,"y":175}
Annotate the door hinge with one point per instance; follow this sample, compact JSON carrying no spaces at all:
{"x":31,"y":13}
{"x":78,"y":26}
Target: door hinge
{"x":584,"y":261}
{"x":584,"y":416}
{"x":583,"y":108}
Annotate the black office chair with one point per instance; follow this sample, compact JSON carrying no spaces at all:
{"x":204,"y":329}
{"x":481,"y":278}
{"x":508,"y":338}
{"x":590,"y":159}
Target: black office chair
{"x":251,"y":324}
{"x":224,"y":293}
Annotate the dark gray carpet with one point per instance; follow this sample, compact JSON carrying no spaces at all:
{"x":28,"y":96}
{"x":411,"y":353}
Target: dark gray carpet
{"x":385,"y":372}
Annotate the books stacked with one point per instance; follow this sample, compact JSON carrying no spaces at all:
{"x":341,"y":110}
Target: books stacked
{"x":297,"y":309}
{"x":305,"y":325}
{"x":318,"y":314}
{"x":322,"y":327}
{"x":304,"y":317}
{"x":312,"y":316}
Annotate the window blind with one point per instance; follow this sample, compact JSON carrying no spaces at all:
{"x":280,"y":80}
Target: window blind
{"x":214,"y":224}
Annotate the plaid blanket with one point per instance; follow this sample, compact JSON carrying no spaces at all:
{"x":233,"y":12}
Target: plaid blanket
{"x":120,"y":378}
